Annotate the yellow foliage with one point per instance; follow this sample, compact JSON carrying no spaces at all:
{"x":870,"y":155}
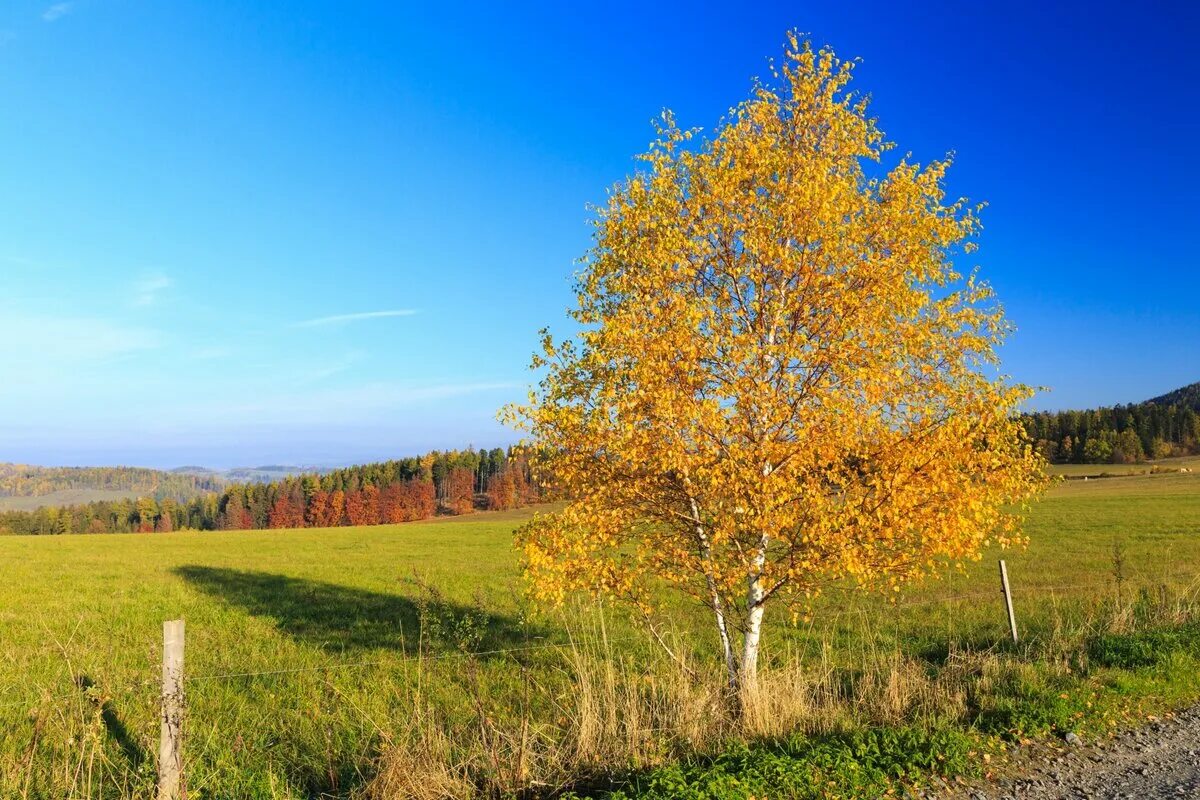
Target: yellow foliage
{"x":781,"y":379}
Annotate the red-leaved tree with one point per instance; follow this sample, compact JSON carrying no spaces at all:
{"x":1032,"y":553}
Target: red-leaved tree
{"x":460,"y":491}
{"x":286,"y":512}
{"x":418,"y":499}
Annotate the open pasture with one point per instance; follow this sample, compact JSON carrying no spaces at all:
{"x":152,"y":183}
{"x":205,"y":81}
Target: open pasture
{"x":63,"y":497}
{"x":309,"y":653}
{"x":1162,"y":465}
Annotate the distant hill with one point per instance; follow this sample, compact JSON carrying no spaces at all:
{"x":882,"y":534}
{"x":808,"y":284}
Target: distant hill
{"x":25,"y":487}
{"x":193,"y":470}
{"x":264,"y":474}
{"x":1188,"y":396}
{"x":35,"y":486}
{"x":270,"y":473}
{"x":1162,"y":427}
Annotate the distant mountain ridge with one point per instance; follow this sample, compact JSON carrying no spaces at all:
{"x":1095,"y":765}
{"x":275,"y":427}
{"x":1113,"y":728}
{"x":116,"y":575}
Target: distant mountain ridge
{"x":262,"y":474}
{"x":1188,"y":396}
{"x":271,"y":472}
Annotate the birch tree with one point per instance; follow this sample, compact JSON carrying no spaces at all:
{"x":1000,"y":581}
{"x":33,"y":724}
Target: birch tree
{"x":781,"y":379}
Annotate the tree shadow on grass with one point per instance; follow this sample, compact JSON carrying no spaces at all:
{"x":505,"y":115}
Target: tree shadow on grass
{"x":341,"y":618}
{"x":939,"y":653}
{"x":113,"y":725}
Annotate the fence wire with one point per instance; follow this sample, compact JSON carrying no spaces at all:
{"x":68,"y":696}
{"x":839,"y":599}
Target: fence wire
{"x":105,"y":694}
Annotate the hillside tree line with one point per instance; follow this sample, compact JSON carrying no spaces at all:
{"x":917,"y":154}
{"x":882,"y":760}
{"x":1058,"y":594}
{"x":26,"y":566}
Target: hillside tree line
{"x":1118,"y":435}
{"x":441,"y":482}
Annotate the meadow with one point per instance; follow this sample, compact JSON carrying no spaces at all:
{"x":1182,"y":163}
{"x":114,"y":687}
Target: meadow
{"x":1078,"y":471}
{"x":64,"y":497}
{"x":404,"y":660}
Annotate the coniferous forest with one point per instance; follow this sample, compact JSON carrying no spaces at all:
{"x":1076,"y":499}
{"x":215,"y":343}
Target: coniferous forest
{"x":1165,"y":426}
{"x":446,"y":482}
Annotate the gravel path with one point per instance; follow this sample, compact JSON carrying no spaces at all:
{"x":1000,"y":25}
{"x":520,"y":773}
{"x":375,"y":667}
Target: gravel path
{"x":1158,"y":761}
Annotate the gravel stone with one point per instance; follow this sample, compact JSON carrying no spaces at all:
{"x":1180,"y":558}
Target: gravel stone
{"x":1157,"y":762}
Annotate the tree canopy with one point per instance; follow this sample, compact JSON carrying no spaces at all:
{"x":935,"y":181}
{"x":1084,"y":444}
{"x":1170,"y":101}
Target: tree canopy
{"x":781,"y":379}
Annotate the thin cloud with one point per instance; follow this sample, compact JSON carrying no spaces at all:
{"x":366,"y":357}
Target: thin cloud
{"x":147,"y":290}
{"x":57,"y":11}
{"x":344,"y":364}
{"x":339,"y":319}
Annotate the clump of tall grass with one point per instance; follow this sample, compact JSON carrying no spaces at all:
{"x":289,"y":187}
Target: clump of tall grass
{"x":623,"y":714}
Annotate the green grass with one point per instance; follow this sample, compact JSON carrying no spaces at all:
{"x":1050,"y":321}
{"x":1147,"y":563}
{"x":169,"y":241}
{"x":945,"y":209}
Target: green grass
{"x":395,"y":608}
{"x":862,"y":763}
{"x":1120,"y":470}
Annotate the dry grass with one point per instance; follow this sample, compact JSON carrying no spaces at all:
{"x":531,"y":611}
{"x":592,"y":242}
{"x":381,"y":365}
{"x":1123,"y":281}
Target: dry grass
{"x":624,"y":715}
{"x":421,"y":766}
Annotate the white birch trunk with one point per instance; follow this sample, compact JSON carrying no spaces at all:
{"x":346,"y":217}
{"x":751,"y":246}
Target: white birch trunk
{"x":748,"y":683}
{"x":714,"y":597}
{"x":731,"y":664}
{"x":731,"y":667}
{"x":755,"y":598}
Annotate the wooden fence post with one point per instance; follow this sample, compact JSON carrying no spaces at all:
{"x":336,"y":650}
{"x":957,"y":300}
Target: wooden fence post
{"x":170,"y":743}
{"x":1012,"y":618}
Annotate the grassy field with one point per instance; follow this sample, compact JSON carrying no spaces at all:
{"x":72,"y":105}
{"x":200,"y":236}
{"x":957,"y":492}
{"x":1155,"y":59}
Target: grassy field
{"x":1191,"y":463}
{"x":63,"y":497}
{"x":333,"y":662}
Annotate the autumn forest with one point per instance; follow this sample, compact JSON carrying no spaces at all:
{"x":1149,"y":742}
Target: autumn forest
{"x":446,"y":482}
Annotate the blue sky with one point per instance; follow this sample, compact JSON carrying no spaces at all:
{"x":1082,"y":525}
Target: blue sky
{"x":238,"y":233}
